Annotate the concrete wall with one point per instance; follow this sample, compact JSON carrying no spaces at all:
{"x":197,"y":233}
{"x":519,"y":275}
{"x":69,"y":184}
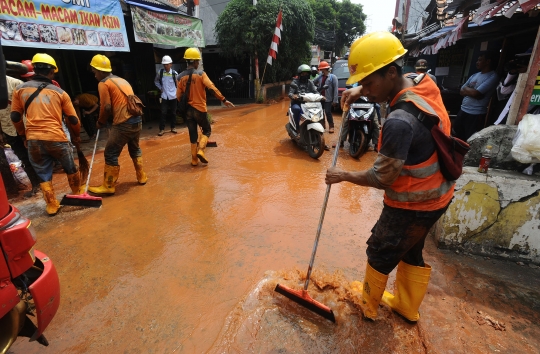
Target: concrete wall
{"x":497,"y":214}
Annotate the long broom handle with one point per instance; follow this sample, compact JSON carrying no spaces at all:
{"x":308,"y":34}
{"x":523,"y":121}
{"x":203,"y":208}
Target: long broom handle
{"x":91,"y":163}
{"x":323,"y":211}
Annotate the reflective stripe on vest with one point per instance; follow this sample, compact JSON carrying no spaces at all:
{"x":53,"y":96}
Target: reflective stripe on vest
{"x":415,"y":197}
{"x":421,"y":187}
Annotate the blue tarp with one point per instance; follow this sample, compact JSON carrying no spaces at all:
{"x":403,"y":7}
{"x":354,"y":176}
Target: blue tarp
{"x":444,"y":30}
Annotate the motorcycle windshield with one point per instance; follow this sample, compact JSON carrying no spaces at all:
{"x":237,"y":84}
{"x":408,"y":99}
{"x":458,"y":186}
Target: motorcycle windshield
{"x":312,"y":111}
{"x":312,"y":97}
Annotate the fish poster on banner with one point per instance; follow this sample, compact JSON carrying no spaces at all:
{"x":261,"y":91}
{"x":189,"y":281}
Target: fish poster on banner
{"x":166,"y":28}
{"x":64,"y":24}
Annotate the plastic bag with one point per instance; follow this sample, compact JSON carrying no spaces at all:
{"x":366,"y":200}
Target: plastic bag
{"x":526,"y":143}
{"x":17,"y":169}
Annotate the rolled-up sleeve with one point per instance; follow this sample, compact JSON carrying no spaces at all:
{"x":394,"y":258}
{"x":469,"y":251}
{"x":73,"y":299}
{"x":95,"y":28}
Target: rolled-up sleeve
{"x":384,"y":172}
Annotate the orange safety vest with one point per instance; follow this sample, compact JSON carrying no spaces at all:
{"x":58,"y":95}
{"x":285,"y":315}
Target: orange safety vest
{"x":422,"y":186}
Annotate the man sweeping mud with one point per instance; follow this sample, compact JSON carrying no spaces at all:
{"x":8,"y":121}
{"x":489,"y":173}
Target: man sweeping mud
{"x":193,"y":83}
{"x":126,"y":127}
{"x":44,"y":104}
{"x":407,"y":169}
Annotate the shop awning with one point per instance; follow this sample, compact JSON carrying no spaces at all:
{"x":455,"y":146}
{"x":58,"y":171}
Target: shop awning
{"x":446,"y":36}
{"x":446,"y":29}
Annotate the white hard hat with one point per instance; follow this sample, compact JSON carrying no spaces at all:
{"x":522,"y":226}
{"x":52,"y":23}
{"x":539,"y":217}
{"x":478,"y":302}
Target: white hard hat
{"x":166,"y":60}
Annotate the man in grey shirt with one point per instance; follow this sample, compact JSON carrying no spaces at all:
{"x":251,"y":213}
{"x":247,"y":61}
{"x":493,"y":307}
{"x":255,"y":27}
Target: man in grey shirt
{"x":477,"y":92}
{"x":166,"y":82}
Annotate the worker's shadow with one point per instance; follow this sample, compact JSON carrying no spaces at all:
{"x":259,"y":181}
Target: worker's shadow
{"x":123,"y":187}
{"x":183,"y":165}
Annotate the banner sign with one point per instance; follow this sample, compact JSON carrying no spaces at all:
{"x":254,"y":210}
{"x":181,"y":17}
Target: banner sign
{"x":165,"y":28}
{"x":64,"y":24}
{"x":535,"y":98}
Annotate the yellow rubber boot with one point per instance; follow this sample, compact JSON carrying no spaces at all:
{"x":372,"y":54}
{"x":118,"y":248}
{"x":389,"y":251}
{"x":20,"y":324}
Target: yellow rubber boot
{"x":110,"y":176}
{"x":141,"y":175}
{"x":202,"y":146}
{"x":372,"y":290}
{"x":194,"y":159}
{"x":74,"y":181}
{"x":409,"y":290}
{"x":50,"y":198}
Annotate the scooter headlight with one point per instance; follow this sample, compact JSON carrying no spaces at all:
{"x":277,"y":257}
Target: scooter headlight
{"x":315,"y":118}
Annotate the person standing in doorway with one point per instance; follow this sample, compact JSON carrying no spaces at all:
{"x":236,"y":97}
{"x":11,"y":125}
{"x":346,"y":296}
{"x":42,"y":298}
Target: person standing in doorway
{"x":330,"y":93}
{"x":126,"y":128}
{"x":196,"y":114}
{"x":477,"y":92}
{"x":166,"y":82}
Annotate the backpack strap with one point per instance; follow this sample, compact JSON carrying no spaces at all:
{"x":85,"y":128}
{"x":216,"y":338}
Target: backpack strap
{"x":34,"y":95}
{"x":114,"y":82}
{"x":189,"y":84}
{"x":409,"y":107}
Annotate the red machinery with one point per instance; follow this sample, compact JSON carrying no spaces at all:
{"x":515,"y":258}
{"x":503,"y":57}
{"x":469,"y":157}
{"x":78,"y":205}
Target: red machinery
{"x":29,"y":284}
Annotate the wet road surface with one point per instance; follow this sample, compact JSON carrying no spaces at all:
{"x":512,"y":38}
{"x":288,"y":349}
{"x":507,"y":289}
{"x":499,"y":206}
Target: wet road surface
{"x":188,"y":262}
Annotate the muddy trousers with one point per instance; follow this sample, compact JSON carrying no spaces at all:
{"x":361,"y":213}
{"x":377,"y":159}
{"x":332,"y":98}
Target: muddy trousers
{"x":399,"y":235}
{"x":43,"y":154}
{"x":196,"y":118}
{"x":120,"y":135}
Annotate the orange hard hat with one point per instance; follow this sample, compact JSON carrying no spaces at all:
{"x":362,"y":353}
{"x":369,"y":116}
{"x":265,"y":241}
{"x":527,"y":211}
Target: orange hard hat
{"x":30,"y":66}
{"x":324,"y":65}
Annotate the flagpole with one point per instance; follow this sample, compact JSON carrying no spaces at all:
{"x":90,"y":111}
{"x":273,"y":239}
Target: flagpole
{"x":265,"y":65}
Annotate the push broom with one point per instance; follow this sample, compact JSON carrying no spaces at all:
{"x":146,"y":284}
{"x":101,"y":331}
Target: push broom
{"x":301,"y":296}
{"x":85,"y":199}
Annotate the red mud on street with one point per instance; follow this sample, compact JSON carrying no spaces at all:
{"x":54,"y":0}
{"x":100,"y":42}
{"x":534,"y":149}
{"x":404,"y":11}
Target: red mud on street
{"x":188,"y":262}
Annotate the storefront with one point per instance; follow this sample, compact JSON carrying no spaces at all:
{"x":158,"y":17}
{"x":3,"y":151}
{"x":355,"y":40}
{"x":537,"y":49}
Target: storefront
{"x":453,"y":50}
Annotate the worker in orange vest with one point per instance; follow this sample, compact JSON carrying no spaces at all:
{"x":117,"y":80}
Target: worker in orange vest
{"x":407,"y":169}
{"x":44,"y":104}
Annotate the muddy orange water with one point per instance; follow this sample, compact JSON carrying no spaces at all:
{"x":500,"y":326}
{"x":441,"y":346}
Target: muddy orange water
{"x":188,"y":262}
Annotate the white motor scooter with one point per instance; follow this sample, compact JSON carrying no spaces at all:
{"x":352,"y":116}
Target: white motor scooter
{"x":309,"y":135}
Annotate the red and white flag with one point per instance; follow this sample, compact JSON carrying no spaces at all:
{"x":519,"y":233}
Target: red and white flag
{"x":275,"y":40}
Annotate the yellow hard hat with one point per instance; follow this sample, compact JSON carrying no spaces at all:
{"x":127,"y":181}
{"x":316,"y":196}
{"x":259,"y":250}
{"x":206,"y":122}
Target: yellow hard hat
{"x":45,"y":59}
{"x":371,"y":52}
{"x":192,"y":54}
{"x":101,"y":62}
